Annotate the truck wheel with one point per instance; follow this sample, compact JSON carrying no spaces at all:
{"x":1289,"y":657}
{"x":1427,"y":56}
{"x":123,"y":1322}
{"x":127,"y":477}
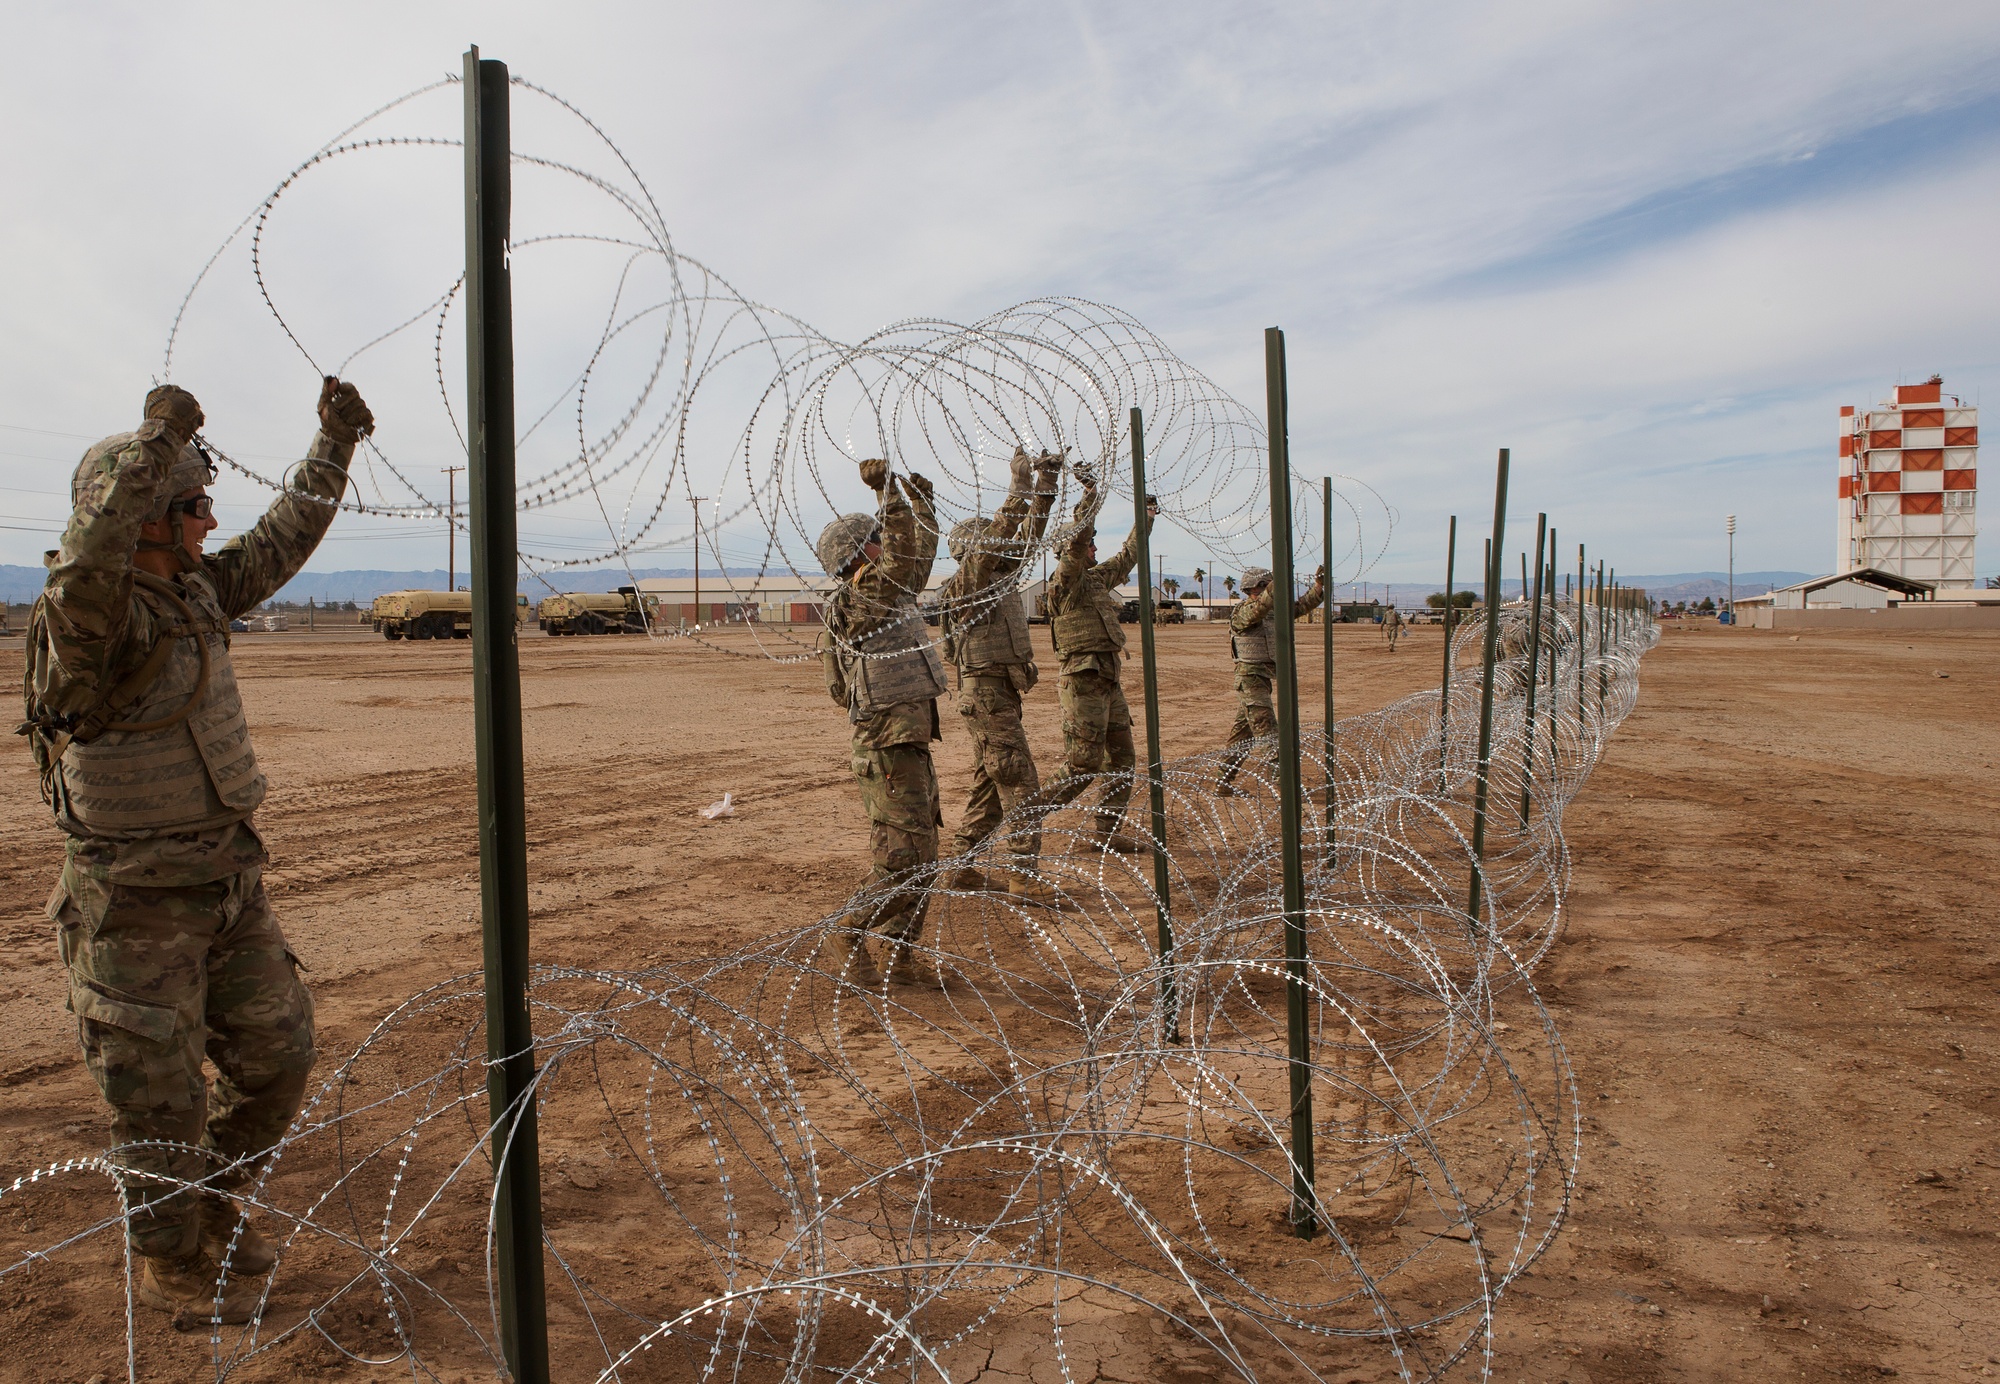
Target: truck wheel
{"x":420,"y":628}
{"x":391,"y":632}
{"x":586,"y":623}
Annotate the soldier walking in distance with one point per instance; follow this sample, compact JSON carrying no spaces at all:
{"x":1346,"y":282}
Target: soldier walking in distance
{"x":1392,"y":627}
{"x":881,"y":667}
{"x":986,"y":632}
{"x":1254,"y":650}
{"x":164,"y":925}
{"x":1097,"y":724}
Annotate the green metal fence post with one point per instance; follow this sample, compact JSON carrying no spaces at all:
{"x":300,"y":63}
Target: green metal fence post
{"x":1291,"y":814}
{"x":1484,"y":774}
{"x":1444,"y":687}
{"x":496,"y":710}
{"x":1155,"y":772}
{"x":1534,"y":599}
{"x":1326,"y":659}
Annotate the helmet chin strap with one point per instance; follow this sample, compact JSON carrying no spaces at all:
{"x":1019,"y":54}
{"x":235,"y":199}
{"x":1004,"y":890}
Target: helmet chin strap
{"x":178,"y":547}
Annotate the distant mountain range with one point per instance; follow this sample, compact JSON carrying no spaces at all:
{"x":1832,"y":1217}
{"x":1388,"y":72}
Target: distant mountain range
{"x":22,"y":584}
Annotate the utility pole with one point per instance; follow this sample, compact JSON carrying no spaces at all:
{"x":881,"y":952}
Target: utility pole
{"x":451,"y":526}
{"x":698,"y":500}
{"x":1732,"y":569}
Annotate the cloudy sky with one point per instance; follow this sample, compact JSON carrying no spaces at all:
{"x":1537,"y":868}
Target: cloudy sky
{"x":1650,"y":248}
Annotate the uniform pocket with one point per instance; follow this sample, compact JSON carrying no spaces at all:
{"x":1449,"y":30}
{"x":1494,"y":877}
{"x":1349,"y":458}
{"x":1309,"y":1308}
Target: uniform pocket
{"x":99,"y":1004}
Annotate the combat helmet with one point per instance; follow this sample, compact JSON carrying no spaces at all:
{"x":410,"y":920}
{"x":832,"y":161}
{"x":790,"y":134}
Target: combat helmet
{"x":840,"y":542}
{"x":965,"y":534}
{"x":1254,"y":577}
{"x":191,"y":470}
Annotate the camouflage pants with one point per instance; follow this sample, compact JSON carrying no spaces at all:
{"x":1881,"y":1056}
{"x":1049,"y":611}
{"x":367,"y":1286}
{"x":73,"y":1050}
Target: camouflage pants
{"x":1256,"y":719}
{"x":1003,"y":774}
{"x":900,"y":794}
{"x":1097,"y":736}
{"x":157,"y":978}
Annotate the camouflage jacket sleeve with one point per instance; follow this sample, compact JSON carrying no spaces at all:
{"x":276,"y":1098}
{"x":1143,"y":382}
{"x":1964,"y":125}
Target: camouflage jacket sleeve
{"x":1067,"y":577}
{"x":90,"y":609}
{"x":909,"y":539}
{"x":1120,"y":565}
{"x":1308,"y":603}
{"x":829,"y":652}
{"x":1253,"y":611}
{"x":249,"y":568}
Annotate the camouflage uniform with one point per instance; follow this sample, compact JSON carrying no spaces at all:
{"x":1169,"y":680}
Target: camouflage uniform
{"x":881,"y":668}
{"x":165,"y":928}
{"x":1392,"y":627}
{"x":986,"y":631}
{"x":1097,"y":724}
{"x":1255,"y":655}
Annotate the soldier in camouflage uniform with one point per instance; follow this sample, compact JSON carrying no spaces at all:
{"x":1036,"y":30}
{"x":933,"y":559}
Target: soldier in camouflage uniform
{"x":882,"y":669}
{"x":164,"y":925}
{"x":1255,"y":654}
{"x":1097,"y":724}
{"x":986,"y":632}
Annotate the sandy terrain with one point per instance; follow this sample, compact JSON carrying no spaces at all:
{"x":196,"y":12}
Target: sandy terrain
{"x":1776,"y":986}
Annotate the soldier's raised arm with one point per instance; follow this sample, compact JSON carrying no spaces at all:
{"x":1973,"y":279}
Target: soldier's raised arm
{"x":1308,"y":603}
{"x":909,"y":546}
{"x":250,"y":568}
{"x":1047,"y":467}
{"x":89,"y":589}
{"x":1119,"y":565}
{"x":1253,"y":611}
{"x":1008,"y":519}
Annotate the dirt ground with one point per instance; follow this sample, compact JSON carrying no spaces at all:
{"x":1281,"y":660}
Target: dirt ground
{"x":1777,"y":982}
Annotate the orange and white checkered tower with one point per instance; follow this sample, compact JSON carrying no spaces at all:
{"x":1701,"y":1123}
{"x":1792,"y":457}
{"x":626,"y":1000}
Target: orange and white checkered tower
{"x":1908,"y":472}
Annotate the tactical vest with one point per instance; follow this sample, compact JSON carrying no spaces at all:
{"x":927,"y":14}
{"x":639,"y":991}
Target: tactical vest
{"x":1090,"y":625}
{"x":1255,"y":644}
{"x":997,"y":632}
{"x":892,"y":664}
{"x":190,"y":773}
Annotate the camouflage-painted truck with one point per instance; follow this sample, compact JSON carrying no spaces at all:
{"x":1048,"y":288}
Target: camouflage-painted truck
{"x":625,"y":611}
{"x":431,"y":614}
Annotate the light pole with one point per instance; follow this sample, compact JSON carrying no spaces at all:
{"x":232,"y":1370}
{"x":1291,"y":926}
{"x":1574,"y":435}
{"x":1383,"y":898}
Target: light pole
{"x":1732,"y":569}
{"x":451,"y":526}
{"x":697,"y":559}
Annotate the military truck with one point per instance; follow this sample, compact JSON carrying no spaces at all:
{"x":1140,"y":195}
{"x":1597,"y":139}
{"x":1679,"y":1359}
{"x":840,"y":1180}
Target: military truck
{"x":625,"y":611}
{"x":431,"y":614}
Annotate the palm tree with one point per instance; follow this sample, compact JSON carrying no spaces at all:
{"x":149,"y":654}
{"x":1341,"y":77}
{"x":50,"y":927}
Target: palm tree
{"x":1229,"y":585}
{"x":1171,"y":586}
{"x":1200,"y":577}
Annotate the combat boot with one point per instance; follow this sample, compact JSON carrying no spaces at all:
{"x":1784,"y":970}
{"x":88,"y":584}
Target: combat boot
{"x":252,"y":1255}
{"x":1225,"y":789}
{"x":902,"y":963}
{"x":187,"y":1284}
{"x":1112,"y":837}
{"x":1027,"y":884}
{"x":856,"y":965}
{"x":968,"y":877}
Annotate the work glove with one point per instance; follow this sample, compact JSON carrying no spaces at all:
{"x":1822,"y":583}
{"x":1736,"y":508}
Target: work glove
{"x":176,"y":408}
{"x":915,"y":486}
{"x":1019,"y":468}
{"x":875,"y":473}
{"x":343,"y":415}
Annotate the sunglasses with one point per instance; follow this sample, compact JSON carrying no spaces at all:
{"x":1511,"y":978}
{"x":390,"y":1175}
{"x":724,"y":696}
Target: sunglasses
{"x":199,"y":506}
